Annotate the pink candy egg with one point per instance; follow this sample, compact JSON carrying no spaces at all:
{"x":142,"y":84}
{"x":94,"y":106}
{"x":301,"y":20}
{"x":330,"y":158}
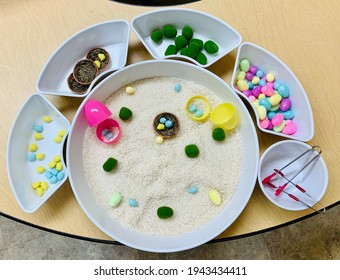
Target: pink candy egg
{"x":267,"y":90}
{"x":290,"y":128}
{"x":265,"y":123}
{"x":277,"y":119}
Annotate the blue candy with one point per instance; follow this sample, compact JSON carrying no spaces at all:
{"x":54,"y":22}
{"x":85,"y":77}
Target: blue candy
{"x":192,"y":108}
{"x":177,"y":87}
{"x":48,"y":174}
{"x":276,"y":85}
{"x":251,"y":85}
{"x":38,"y":128}
{"x":193,"y":190}
{"x":283,"y":90}
{"x":264,"y":102}
{"x":288,"y":115}
{"x":162,"y":120}
{"x":105,"y":131}
{"x":109,"y":136}
{"x":168,"y":124}
{"x":259,"y":73}
{"x":133,"y":202}
{"x":199,"y":113}
{"x":32,"y":157}
{"x":262,"y":82}
{"x":271,"y":115}
{"x":53,"y":180}
{"x":54,"y":171}
{"x":60,"y":175}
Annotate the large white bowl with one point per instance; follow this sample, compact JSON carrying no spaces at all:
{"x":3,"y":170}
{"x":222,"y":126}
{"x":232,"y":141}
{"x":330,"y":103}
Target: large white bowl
{"x":205,"y":26}
{"x":196,"y":237}
{"x":268,"y":62}
{"x":314,"y":178}
{"x":112,"y":35}
{"x":21,"y":172}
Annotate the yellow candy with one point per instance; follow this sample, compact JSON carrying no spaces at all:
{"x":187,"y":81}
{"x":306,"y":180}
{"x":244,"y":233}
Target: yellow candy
{"x":58,"y":139}
{"x":270,"y":77}
{"x":33,"y":147}
{"x":59,"y":166}
{"x":47,"y":119}
{"x":279,"y":127}
{"x":40,"y":156}
{"x":159,"y":140}
{"x":56,"y":158}
{"x":97,"y":63}
{"x":275,"y":99}
{"x":215,"y":197}
{"x":101,"y":56}
{"x":261,"y":111}
{"x":130,"y":90}
{"x":160,"y":126}
{"x":242,"y":85}
{"x":241,"y":76}
{"x":261,"y":95}
{"x":256,"y":102}
{"x":255,"y":80}
{"x":40,"y":169}
{"x":62,"y":133}
{"x":38,"y":136}
{"x":44,"y":186}
{"x":39,"y":191}
{"x":52,"y":164}
{"x":35,"y":185}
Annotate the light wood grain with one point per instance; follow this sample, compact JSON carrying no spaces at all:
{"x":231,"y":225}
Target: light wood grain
{"x":304,"y":34}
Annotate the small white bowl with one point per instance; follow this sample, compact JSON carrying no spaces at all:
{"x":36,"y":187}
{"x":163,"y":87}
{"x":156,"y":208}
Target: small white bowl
{"x":314,"y":178}
{"x":113,"y":36}
{"x":21,"y":172}
{"x":268,"y":62}
{"x":205,"y":26}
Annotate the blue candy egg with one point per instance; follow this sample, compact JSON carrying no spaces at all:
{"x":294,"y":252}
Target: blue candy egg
{"x":192,"y":108}
{"x":162,"y":120}
{"x":177,"y":87}
{"x":133,"y":202}
{"x":264,"y":102}
{"x":271,"y":115}
{"x":105,"y":131}
{"x":283,"y":90}
{"x":288,"y":115}
{"x":53,"y":180}
{"x":60,"y":175}
{"x":38,"y":128}
{"x":276,"y":85}
{"x":199,"y":113}
{"x":32,"y":157}
{"x":48,"y":174}
{"x":250,"y":84}
{"x":259,"y":73}
{"x":262,"y":82}
{"x":193,"y":190}
{"x":168,"y":124}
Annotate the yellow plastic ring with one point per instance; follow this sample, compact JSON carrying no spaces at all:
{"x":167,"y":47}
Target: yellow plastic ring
{"x":206,"y":109}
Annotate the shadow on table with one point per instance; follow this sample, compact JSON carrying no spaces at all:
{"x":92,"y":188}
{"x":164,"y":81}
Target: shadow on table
{"x":155,"y":2}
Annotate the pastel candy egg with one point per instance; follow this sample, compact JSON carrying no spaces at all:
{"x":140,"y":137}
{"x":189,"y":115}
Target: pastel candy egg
{"x":250,"y":84}
{"x":242,"y":85}
{"x":252,"y":98}
{"x":265,"y":123}
{"x":271,"y":114}
{"x":275,"y":108}
{"x":259,"y":73}
{"x":40,"y":169}
{"x":288,"y":115}
{"x":159,"y":139}
{"x":270,"y":77}
{"x":48,"y":174}
{"x":268,"y":91}
{"x":283,"y":90}
{"x":130,"y":90}
{"x":261,"y":96}
{"x":276,"y":85}
{"x":199,"y":113}
{"x":277,"y":119}
{"x":289,"y":129}
{"x":247,"y":92}
{"x":265,"y":102}
{"x":255,"y":80}
{"x":193,"y":190}
{"x":256,"y":102}
{"x":115,"y":199}
{"x":163,"y":120}
{"x":244,"y":65}
{"x":133,"y":202}
{"x":240,"y":76}
{"x":160,"y":126}
{"x":62,"y":133}
{"x":40,"y":156}
{"x":54,"y":171}
{"x":52,"y":164}
{"x":58,"y":139}
{"x":36,"y":185}
{"x":38,"y":128}
{"x":252,"y":69}
{"x":56,"y":158}
{"x":59,"y":166}
{"x":168,"y":124}
{"x":60,"y":176}
{"x":215,"y":197}
{"x":39,"y":191}
{"x":192,"y":109}
{"x":31,"y":157}
{"x":249,"y":76}
{"x":285,"y":104}
{"x":177,"y":87}
{"x":275,"y":99}
{"x":261,"y":111}
{"x":262,"y":82}
{"x":270,"y":126}
{"x":280,"y":127}
{"x":33,"y":147}
{"x":256,"y":91}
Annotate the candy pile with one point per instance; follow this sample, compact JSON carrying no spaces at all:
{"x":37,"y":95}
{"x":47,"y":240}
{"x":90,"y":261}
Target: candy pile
{"x":55,"y":173}
{"x":185,"y":43}
{"x":270,"y":98}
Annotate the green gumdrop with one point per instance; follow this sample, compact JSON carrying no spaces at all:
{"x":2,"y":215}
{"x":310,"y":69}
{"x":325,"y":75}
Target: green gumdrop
{"x":181,"y":42}
{"x":197,"y":41}
{"x":110,"y":164}
{"x":218,"y":134}
{"x":191,"y":150}
{"x":193,"y":49}
{"x":125,"y":113}
{"x":171,"y":49}
{"x":184,"y":51}
{"x":169,"y":31}
{"x":187,"y":32}
{"x":165,"y":212}
{"x":211,"y":47}
{"x":156,"y":35}
{"x":201,"y":58}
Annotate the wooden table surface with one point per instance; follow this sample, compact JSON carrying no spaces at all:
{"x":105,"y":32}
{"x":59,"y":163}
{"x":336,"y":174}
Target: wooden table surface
{"x":304,"y":34}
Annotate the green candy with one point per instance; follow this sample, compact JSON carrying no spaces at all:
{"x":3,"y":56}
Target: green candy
{"x":201,"y":58}
{"x":115,"y":199}
{"x":218,"y":134}
{"x":184,"y":51}
{"x":169,"y":31}
{"x":244,"y":65}
{"x":193,"y":49}
{"x":156,"y":35}
{"x":197,"y":41}
{"x":211,"y":47}
{"x":191,"y":151}
{"x":125,"y":113}
{"x":165,"y":212}
{"x":181,"y":42}
{"x":187,"y":32}
{"x":110,"y":164}
{"x":171,"y":49}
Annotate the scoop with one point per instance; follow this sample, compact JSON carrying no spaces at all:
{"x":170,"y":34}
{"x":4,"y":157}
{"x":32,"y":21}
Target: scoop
{"x":224,"y":116}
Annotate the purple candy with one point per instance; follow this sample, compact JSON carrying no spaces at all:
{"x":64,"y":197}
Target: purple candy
{"x":270,"y":126}
{"x":256,"y":91}
{"x":249,"y":76}
{"x":247,"y":92}
{"x":252,"y":69}
{"x":285,"y":104}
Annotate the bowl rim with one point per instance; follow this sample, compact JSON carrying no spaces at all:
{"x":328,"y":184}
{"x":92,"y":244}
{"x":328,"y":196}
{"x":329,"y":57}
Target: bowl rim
{"x":242,"y":205}
{"x":185,"y":58}
{"x":263,"y":189}
{"x":99,"y":76}
{"x":310,"y":112}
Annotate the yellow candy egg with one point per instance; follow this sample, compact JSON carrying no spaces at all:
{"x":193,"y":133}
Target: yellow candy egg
{"x":242,"y":85}
{"x":215,"y":197}
{"x":270,"y":77}
{"x":52,"y":164}
{"x":40,"y":169}
{"x":160,"y":126}
{"x":58,"y":139}
{"x":40,"y":156}
{"x":101,"y":56}
{"x":159,"y":140}
{"x":33,"y":147}
{"x":255,"y":80}
{"x":98,"y":64}
{"x":44,"y":186}
{"x":36,"y":185}
{"x":256,"y":102}
{"x":261,"y":96}
{"x":130,"y":90}
{"x":39,"y":191}
{"x":262,"y":112}
{"x":56,"y":158}
{"x":62,"y":133}
{"x":38,"y":136}
{"x":47,"y":119}
{"x":275,"y":99}
{"x":59,"y":166}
